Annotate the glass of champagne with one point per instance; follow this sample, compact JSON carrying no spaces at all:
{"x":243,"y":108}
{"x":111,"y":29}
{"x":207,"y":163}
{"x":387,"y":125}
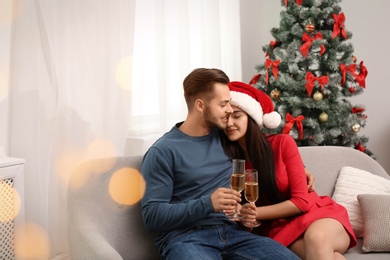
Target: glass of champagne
{"x":251,"y":192}
{"x":237,"y":180}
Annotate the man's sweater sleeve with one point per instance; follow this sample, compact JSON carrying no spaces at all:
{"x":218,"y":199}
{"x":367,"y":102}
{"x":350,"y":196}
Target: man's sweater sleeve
{"x":158,"y":212}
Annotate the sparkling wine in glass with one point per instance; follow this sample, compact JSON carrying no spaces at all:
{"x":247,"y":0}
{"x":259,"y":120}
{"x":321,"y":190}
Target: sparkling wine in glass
{"x":251,"y":191}
{"x":237,"y":180}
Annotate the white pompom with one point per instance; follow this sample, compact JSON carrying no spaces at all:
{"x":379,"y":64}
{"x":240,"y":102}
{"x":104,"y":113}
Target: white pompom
{"x":272,"y":120}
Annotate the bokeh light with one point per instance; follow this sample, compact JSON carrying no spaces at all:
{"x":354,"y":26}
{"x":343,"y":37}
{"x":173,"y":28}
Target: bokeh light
{"x":76,"y":159}
{"x":9,"y":11}
{"x":31,"y":242}
{"x":123,"y":73}
{"x":9,"y":208}
{"x":3,"y":87}
{"x":127,"y":186}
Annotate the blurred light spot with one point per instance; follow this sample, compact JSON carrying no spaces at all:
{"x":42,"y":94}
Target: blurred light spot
{"x":67,"y":164}
{"x":79,"y":160}
{"x":31,"y":242}
{"x":9,"y":202}
{"x":3,"y":87}
{"x":100,"y":148}
{"x":127,"y":186}
{"x":123,"y":72}
{"x":10,"y":11}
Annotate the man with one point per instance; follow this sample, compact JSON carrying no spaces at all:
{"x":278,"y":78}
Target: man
{"x":187,"y":183}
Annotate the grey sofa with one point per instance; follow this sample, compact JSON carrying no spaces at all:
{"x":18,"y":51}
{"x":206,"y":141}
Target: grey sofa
{"x":99,"y":228}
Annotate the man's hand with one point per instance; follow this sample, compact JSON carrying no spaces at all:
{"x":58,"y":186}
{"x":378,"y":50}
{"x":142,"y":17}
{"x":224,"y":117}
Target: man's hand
{"x":225,"y":199}
{"x":310,"y":180}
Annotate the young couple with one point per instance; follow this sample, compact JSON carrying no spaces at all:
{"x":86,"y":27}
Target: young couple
{"x":187,"y":173}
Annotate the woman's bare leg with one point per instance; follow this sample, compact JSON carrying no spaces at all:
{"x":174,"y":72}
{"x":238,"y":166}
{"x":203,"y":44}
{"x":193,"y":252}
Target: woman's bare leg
{"x":324,"y":239}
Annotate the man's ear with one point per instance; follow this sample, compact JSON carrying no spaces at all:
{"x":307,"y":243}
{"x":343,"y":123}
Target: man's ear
{"x":199,"y":104}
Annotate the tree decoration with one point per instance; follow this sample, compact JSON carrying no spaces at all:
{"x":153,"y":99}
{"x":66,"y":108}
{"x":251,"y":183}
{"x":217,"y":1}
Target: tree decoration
{"x":323,"y":117}
{"x":275,"y":93}
{"x":356,"y":127}
{"x":318,"y":96}
{"x":310,"y":28}
{"x":311,"y":73}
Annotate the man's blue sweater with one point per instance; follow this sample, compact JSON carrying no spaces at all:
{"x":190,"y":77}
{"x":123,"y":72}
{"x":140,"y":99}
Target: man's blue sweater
{"x":181,"y":172}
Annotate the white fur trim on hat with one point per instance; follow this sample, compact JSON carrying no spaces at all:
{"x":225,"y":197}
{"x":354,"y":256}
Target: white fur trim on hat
{"x":249,"y":105}
{"x":253,"y":108}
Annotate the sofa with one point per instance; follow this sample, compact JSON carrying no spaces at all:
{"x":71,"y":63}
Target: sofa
{"x":102,"y":226}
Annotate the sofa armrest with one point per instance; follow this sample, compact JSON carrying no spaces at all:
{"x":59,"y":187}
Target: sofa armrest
{"x":91,"y":243}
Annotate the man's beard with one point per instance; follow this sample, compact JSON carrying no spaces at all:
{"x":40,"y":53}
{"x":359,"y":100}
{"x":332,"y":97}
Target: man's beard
{"x":211,"y":120}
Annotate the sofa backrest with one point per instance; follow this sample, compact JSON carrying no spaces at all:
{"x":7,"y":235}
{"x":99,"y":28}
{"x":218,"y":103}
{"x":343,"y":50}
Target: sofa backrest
{"x":325,"y":163}
{"x":97,"y":223}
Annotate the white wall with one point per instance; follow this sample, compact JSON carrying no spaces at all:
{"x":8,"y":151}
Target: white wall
{"x":5,"y":34}
{"x":369,"y":22}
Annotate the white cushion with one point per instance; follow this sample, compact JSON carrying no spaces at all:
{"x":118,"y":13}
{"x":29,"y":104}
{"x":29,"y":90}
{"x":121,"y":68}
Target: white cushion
{"x":350,"y":183}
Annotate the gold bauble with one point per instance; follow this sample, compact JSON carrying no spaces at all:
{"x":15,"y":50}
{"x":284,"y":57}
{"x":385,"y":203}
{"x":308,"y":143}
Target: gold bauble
{"x":356,"y":127}
{"x":323,"y":117}
{"x":354,"y":59}
{"x":275,"y":93}
{"x":318,"y":96}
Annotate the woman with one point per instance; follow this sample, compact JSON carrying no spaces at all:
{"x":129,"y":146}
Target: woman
{"x":312,"y":226}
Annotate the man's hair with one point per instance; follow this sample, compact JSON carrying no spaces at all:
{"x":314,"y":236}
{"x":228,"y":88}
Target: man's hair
{"x":200,"y":82}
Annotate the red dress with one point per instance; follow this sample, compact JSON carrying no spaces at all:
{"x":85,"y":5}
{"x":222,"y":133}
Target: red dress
{"x":291,"y":181}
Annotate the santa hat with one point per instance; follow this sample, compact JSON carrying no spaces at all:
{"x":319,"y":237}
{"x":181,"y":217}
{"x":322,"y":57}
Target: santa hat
{"x":255,"y":103}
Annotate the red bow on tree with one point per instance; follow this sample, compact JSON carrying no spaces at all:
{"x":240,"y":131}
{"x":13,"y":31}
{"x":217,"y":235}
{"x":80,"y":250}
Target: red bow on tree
{"x":357,"y":110}
{"x":308,"y":41}
{"x":299,"y":2}
{"x":275,"y":70}
{"x":361,"y":77}
{"x":272,"y":44}
{"x":351,"y":68}
{"x":254,"y":79}
{"x":290,"y":121}
{"x":360,"y":147}
{"x":311,"y":79}
{"x":338,"y":27}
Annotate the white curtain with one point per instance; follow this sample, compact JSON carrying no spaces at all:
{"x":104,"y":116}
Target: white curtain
{"x":86,"y":74}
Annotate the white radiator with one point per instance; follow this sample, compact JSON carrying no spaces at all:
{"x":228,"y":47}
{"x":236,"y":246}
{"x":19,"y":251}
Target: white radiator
{"x":11,"y":204}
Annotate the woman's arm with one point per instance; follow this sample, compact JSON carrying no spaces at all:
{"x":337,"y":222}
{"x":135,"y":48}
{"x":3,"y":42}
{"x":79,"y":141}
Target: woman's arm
{"x":291,"y":179}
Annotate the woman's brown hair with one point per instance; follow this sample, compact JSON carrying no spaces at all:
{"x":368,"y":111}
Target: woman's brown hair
{"x":260,"y":155}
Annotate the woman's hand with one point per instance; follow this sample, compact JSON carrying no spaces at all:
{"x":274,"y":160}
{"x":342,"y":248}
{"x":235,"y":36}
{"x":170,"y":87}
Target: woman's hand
{"x":310,"y":180}
{"x":248,"y":213}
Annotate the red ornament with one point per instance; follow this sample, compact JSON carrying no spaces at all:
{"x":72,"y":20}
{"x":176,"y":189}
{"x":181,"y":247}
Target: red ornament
{"x":309,"y":28}
{"x":351,"y":89}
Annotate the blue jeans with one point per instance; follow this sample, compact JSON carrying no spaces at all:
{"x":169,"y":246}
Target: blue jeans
{"x":224,"y":242}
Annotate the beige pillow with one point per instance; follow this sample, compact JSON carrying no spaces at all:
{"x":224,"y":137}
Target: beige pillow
{"x":352,"y":182}
{"x":376,"y":216}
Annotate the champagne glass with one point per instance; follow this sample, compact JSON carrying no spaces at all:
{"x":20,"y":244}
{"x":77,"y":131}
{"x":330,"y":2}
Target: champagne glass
{"x":237,"y":180}
{"x":251,"y":192}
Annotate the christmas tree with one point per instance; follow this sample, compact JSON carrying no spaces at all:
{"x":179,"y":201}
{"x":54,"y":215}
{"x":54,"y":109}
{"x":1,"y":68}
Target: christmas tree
{"x":310,"y":72}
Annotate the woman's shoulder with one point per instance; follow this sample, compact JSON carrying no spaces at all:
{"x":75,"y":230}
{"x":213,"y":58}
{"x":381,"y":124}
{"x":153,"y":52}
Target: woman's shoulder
{"x":278,"y":138}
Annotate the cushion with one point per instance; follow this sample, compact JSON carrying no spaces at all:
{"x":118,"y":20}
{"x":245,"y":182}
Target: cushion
{"x":352,"y":182}
{"x":376,"y":216}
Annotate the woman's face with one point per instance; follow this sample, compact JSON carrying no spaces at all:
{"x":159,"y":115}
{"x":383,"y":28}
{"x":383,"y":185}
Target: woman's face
{"x":237,"y":124}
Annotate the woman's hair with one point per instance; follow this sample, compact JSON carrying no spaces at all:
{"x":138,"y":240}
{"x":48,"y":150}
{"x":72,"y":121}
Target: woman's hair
{"x":260,"y":155}
{"x":201,"y":82}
